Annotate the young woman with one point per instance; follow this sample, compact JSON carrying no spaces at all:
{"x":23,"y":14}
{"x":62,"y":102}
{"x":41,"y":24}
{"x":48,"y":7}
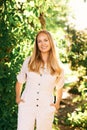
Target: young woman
{"x":42,"y":74}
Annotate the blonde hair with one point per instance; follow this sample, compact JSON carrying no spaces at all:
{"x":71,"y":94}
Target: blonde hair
{"x":36,"y":60}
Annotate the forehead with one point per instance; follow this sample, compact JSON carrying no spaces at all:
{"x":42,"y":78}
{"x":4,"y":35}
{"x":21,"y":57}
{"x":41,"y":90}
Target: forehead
{"x":42,"y":35}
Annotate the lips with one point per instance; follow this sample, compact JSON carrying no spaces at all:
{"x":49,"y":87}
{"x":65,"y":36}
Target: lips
{"x":44,"y":47}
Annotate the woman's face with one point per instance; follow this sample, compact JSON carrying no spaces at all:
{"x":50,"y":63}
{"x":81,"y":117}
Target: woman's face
{"x":43,"y":43}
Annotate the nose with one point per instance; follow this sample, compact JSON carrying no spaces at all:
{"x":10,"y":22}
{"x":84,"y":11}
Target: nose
{"x":43,"y":43}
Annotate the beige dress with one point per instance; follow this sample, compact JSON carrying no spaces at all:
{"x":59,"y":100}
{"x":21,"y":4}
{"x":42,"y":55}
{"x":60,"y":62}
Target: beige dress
{"x":37,"y":96}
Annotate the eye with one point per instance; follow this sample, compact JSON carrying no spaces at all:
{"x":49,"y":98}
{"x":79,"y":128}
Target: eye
{"x":45,"y":40}
{"x":39,"y":41}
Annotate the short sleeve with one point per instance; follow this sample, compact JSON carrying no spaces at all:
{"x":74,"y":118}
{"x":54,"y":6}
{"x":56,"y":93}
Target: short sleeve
{"x":22,"y":75}
{"x":61,"y":80}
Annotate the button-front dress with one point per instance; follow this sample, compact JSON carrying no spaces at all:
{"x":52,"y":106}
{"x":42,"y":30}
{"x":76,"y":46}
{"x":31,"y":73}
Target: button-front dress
{"x":37,"y":96}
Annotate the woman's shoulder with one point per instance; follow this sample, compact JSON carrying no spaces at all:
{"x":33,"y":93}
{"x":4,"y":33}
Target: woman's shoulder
{"x":27,"y":59}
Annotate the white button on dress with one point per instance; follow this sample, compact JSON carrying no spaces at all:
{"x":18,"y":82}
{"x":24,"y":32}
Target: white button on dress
{"x":37,"y":96}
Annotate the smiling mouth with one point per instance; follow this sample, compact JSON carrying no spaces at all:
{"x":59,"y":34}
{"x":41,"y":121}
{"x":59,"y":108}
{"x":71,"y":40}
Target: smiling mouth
{"x":44,"y":47}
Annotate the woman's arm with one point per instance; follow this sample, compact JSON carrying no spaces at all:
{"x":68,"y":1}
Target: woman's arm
{"x":59,"y":90}
{"x":58,"y":97}
{"x":18,"y":92}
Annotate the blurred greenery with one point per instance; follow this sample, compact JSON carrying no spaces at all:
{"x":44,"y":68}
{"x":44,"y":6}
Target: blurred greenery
{"x":19,"y":23}
{"x":77,"y":59}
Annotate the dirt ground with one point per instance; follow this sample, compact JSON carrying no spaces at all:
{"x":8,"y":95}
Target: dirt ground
{"x":67,"y":106}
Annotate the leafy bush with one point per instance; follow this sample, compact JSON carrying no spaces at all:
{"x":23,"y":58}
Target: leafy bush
{"x":77,"y":58}
{"x":78,"y":117}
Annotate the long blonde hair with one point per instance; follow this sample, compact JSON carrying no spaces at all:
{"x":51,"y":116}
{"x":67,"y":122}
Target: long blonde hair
{"x":36,"y":60}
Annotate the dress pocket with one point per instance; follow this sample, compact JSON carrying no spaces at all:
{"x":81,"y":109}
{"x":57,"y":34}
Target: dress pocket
{"x":52,"y":109}
{"x":21,"y":103}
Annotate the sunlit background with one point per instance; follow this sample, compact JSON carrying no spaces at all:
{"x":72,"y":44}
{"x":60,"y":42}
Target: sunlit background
{"x":79,"y":9}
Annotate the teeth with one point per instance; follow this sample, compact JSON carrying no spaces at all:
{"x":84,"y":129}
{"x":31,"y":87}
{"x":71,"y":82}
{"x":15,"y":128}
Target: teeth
{"x":44,"y":47}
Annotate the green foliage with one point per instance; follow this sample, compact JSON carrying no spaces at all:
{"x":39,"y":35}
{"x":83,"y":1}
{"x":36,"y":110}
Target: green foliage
{"x":78,"y":117}
{"x":78,"y":50}
{"x":55,"y":123}
{"x":77,"y":54}
{"x":58,"y":13}
{"x":77,"y":58}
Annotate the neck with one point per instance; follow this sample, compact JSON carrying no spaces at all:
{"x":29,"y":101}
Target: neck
{"x":45,"y":57}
